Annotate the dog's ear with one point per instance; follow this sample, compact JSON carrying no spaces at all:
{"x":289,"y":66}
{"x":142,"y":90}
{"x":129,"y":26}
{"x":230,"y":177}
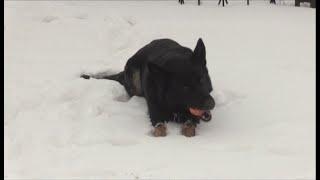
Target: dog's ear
{"x":199,"y":52}
{"x":154,"y":68}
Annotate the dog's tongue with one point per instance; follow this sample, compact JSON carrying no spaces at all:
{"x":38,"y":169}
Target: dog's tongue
{"x":196,"y":112}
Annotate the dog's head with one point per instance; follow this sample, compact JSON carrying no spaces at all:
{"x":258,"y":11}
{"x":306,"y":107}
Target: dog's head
{"x":187,"y":82}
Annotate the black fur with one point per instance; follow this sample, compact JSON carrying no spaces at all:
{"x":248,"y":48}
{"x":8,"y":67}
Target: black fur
{"x":171,"y":77}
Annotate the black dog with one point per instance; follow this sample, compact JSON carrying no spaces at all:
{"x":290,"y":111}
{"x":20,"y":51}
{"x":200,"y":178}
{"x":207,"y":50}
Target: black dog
{"x":173,"y":79}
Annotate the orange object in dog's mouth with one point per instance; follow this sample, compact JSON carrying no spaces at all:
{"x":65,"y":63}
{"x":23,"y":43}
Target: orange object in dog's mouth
{"x":204,"y":115}
{"x":197,"y":112}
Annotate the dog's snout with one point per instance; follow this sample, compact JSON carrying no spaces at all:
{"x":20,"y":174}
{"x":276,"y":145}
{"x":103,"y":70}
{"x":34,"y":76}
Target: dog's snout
{"x":209,"y":103}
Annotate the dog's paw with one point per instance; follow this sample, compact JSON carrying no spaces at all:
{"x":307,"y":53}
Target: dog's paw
{"x":160,"y":130}
{"x":188,"y":129}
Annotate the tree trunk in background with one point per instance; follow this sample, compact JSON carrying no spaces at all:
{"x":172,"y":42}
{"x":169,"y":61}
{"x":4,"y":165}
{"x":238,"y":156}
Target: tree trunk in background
{"x":313,"y":3}
{"x":272,"y":1}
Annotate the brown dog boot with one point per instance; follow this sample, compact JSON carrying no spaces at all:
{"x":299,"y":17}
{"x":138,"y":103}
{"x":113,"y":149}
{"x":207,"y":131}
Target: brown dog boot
{"x":160,"y":130}
{"x":189,"y":129}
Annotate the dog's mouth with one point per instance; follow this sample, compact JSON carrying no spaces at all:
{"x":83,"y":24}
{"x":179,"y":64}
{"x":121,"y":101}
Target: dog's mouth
{"x":204,"y":115}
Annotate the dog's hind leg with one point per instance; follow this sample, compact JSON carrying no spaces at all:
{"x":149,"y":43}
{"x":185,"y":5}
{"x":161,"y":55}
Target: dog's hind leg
{"x":132,"y":78}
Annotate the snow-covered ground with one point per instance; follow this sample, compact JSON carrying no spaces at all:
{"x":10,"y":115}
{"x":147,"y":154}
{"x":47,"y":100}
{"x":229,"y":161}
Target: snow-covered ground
{"x":261,"y":59}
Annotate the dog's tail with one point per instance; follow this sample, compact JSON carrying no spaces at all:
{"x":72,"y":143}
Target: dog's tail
{"x":116,"y":77}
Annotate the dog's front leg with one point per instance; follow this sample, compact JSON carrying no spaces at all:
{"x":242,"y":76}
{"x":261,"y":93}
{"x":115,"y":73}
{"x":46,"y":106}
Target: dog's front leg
{"x":158,"y":117}
{"x":189,"y":126}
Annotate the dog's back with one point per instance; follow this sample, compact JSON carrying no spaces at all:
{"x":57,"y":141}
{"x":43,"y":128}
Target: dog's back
{"x":154,"y":52}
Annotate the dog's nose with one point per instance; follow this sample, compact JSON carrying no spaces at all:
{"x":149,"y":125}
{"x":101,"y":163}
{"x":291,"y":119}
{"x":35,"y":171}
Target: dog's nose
{"x":206,"y":116}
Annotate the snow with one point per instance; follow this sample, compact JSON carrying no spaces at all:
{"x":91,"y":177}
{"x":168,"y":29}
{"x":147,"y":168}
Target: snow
{"x":261,"y":59}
